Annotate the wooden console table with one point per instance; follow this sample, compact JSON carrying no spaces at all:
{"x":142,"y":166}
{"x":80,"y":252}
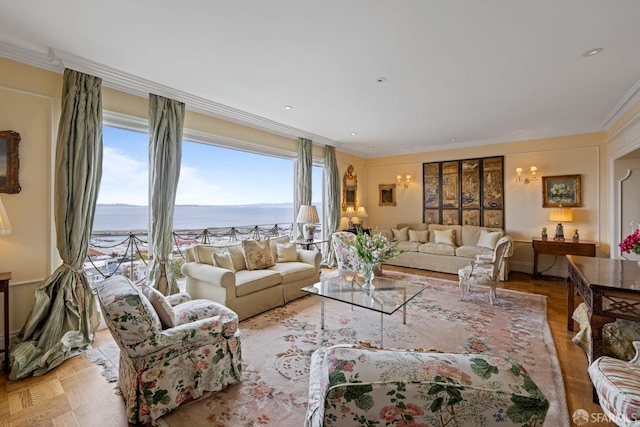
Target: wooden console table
{"x":4,"y":288}
{"x":611,"y":290}
{"x":560,"y":247}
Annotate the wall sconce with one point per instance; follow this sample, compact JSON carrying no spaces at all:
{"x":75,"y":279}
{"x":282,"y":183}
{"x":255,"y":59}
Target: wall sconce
{"x":533,"y":170}
{"x":404,"y":182}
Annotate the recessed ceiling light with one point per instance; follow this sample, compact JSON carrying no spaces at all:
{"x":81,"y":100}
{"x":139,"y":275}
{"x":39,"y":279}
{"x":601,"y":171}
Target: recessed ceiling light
{"x":381,"y":79}
{"x":288,"y":107}
{"x":354,"y":133}
{"x":453,"y":138}
{"x":592,"y":52}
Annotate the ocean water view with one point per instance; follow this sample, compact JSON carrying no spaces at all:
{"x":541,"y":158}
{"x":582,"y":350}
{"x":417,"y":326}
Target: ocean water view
{"x":121,"y":217}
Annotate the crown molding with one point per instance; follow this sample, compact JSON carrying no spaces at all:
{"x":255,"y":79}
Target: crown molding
{"x":627,"y":101}
{"x":57,"y":60}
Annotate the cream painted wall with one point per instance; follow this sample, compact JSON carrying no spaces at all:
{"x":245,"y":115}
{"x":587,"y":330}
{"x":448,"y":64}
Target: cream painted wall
{"x":524,"y":215}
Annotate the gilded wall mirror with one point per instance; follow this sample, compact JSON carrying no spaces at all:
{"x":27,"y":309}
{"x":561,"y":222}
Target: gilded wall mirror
{"x":350,"y":189}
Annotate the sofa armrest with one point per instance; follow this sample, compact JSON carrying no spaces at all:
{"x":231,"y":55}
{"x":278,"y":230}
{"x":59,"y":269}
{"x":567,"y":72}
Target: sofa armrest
{"x":310,"y":257}
{"x":210,"y":274}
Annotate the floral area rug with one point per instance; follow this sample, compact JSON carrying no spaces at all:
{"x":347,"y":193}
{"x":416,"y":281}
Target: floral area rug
{"x":277,"y":347}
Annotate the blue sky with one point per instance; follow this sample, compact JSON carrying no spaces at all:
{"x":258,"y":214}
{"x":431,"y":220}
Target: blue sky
{"x":209,"y":175}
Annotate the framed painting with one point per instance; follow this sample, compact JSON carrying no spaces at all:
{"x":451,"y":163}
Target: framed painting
{"x":451,"y":216}
{"x":471,"y":217}
{"x":431,"y":186}
{"x":450,"y":185}
{"x":9,"y":162}
{"x":561,"y":191}
{"x":471,"y":184}
{"x":432,"y":216}
{"x":493,"y":218}
{"x":387,"y":195}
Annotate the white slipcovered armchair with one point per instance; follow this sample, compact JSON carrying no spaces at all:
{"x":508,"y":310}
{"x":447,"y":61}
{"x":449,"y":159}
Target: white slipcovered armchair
{"x":193,"y":350}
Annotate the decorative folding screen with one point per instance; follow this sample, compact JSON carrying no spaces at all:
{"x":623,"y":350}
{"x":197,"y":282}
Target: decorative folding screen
{"x":469,"y":191}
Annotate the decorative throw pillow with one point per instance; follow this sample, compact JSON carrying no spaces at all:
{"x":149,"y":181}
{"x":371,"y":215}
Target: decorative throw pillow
{"x":223,"y":260}
{"x":445,"y":236}
{"x":257,"y":254}
{"x":161,"y":305}
{"x":286,"y":252}
{"x":401,"y":235}
{"x":488,"y":239}
{"x":237,"y":256}
{"x":421,"y":236}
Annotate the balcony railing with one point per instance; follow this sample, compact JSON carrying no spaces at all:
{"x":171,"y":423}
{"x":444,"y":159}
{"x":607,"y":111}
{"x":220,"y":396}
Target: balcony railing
{"x":127,"y":253}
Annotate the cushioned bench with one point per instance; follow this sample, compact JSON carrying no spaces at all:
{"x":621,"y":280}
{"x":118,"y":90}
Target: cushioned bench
{"x":354,"y":386}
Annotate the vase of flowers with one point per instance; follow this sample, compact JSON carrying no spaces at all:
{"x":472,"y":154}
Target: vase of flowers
{"x":373,"y":249}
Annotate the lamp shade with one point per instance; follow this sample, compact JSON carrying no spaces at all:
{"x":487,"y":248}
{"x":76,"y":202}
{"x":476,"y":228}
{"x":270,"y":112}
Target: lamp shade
{"x":560,"y":215}
{"x":350,"y":212}
{"x":362,"y":212}
{"x":5,"y":224}
{"x":308,"y":214}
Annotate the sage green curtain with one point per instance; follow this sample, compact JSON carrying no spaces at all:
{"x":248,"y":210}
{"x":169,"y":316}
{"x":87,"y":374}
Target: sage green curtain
{"x":166,"y":121}
{"x":303,"y":178}
{"x":332,"y":208}
{"x":64,"y":318}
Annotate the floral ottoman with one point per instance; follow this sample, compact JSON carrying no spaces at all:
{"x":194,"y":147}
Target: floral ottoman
{"x":355,"y":386}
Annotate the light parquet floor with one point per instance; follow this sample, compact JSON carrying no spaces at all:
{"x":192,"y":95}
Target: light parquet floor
{"x":76,"y":394}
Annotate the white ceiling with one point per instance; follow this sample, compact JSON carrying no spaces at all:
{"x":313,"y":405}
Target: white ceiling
{"x":477,"y":71}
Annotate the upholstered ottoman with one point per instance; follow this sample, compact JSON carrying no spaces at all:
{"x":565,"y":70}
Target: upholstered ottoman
{"x":354,"y":386}
{"x":617,"y":383}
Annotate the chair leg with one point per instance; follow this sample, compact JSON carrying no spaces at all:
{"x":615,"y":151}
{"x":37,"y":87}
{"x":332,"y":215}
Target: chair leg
{"x":492,"y":294}
{"x":461,"y":287}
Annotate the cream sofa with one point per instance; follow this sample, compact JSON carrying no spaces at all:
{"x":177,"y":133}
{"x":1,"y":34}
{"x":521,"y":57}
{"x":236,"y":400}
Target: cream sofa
{"x":423,"y":252}
{"x":249,"y":292}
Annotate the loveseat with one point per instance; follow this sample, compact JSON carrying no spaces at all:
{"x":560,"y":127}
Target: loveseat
{"x":445,"y":248}
{"x":250,"y":281}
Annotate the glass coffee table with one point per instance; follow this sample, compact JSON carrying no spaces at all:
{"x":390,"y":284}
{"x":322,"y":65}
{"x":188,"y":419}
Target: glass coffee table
{"x":388,"y":296}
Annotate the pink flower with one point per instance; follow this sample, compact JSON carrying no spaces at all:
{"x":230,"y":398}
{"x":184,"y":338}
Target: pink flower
{"x":631,"y":243}
{"x":414,"y":410}
{"x":389,"y":413}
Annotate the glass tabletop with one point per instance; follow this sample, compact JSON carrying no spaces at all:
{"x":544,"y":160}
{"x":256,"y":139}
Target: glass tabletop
{"x":388,"y":296}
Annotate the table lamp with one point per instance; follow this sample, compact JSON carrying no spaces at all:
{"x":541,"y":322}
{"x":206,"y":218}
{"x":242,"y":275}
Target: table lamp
{"x":350,"y":213}
{"x":362,"y":214}
{"x":560,"y":215}
{"x":308,"y":216}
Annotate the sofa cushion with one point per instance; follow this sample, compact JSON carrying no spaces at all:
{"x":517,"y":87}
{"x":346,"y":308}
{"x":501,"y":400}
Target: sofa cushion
{"x":160,"y":305}
{"x":237,"y":255}
{"x":286,"y":252}
{"x":456,"y":228}
{"x":471,"y":234}
{"x":409,"y":246}
{"x":223,"y":260}
{"x":203,"y":253}
{"x":250,"y":281}
{"x":274,"y":240}
{"x":437,"y":248}
{"x":401,"y":235}
{"x":257,"y":254}
{"x":421,"y":236}
{"x":470,"y":251}
{"x":488,"y":239}
{"x":294,"y":271}
{"x":445,"y":236}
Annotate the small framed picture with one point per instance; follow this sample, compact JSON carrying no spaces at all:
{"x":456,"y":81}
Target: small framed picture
{"x":9,"y":162}
{"x":561,"y":191}
{"x":387,"y":194}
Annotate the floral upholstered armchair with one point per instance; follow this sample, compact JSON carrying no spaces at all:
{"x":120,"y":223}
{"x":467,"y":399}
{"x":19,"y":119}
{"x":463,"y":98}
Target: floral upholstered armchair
{"x":355,"y":386}
{"x":343,"y":243}
{"x":172,"y":349}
